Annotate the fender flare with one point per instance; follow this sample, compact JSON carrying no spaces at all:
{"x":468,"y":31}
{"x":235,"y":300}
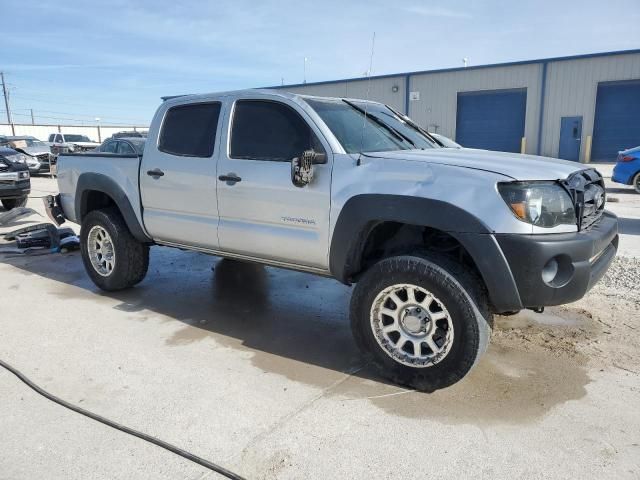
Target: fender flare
{"x":101,"y":183}
{"x":362,"y":213}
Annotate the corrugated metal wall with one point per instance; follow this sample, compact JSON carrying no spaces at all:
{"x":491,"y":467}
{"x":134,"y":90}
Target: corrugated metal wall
{"x":571,"y":90}
{"x":437,"y":107}
{"x":379,"y":89}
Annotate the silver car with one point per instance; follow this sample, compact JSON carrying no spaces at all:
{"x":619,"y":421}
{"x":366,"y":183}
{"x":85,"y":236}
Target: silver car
{"x":38,"y":153}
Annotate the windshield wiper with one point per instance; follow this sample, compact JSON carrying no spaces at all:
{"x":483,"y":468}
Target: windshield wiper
{"x":389,"y":128}
{"x":416,"y":127}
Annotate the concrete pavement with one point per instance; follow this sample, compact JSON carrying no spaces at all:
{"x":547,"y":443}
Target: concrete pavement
{"x":254,"y":368}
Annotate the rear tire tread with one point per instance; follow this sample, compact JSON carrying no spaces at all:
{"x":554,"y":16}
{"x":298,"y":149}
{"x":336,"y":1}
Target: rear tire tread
{"x":132,"y":257}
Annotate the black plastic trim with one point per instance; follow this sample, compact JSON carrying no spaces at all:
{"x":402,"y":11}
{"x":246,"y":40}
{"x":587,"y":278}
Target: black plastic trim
{"x":101,"y":183}
{"x":528,"y":254}
{"x":14,"y":192}
{"x":363,"y":212}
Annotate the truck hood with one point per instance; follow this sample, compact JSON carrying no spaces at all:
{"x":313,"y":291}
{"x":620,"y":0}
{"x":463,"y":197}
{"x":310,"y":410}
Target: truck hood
{"x":35,"y":150}
{"x":514,"y":165}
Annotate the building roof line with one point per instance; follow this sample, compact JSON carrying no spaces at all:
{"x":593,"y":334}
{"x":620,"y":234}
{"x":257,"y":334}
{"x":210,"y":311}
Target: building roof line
{"x":458,"y":69}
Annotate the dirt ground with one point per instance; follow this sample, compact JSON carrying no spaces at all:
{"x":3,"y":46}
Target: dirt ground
{"x":255,"y":368}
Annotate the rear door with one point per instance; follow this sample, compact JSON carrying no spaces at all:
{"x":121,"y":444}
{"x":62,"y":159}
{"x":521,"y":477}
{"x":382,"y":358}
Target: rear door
{"x":177,"y":177}
{"x":262,"y":214}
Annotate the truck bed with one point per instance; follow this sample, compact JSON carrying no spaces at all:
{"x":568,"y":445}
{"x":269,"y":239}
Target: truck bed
{"x":123,"y":169}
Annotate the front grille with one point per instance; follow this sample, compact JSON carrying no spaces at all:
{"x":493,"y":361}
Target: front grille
{"x":589,"y":197}
{"x":43,"y":157}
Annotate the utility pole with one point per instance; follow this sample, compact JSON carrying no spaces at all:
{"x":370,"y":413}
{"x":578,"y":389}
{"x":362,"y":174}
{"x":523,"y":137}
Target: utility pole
{"x":6,"y":103}
{"x":305,"y":71}
{"x":33,"y":121}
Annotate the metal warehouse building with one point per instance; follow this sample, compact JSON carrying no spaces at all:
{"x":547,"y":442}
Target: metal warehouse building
{"x":582,"y":108}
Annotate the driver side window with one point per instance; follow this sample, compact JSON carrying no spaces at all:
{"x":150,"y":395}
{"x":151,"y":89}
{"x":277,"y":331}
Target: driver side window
{"x":267,"y":130}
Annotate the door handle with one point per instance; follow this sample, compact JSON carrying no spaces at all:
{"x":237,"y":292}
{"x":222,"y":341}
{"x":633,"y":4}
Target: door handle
{"x":155,"y":173}
{"x":231,"y":178}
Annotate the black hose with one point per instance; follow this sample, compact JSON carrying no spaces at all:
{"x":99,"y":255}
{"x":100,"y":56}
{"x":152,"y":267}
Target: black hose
{"x":122,"y":428}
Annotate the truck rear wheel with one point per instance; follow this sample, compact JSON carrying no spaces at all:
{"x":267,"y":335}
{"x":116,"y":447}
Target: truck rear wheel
{"x":112,"y":257}
{"x":422,"y":320}
{"x":11,"y":203}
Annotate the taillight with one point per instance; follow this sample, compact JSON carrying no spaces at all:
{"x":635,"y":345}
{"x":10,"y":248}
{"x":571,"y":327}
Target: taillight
{"x":625,"y":158}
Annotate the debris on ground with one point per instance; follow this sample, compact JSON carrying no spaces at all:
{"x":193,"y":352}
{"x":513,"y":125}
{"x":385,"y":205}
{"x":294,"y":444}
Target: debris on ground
{"x":34,"y":237}
{"x":10,"y":217}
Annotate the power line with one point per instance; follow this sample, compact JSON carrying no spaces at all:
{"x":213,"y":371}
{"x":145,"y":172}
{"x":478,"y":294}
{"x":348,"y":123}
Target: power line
{"x":92,"y":117}
{"x":74,"y":119}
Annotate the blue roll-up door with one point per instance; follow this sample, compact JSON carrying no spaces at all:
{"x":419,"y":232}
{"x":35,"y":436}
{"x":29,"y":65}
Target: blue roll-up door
{"x":491,"y":119}
{"x":617,"y":122}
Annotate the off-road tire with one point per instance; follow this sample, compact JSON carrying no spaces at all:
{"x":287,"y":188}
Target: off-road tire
{"x":11,"y":203}
{"x":463,"y":295}
{"x":132,"y":257}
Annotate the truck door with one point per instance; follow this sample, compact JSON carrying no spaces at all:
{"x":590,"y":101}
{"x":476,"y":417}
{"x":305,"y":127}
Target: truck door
{"x":177,"y":176}
{"x":262,"y":213}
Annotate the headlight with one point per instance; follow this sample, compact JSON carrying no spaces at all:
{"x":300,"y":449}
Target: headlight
{"x":544,"y":204}
{"x":19,"y":158}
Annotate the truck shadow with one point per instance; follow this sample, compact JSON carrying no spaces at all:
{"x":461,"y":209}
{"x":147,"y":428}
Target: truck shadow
{"x":629,"y":226}
{"x":296,"y":325}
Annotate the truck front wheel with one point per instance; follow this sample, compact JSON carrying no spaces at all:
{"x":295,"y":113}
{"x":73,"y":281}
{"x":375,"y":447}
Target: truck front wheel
{"x":112,"y":257}
{"x":422,"y":321}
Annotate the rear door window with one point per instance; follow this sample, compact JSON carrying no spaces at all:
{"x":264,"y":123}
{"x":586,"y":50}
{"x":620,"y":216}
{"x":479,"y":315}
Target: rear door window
{"x":266,"y":130}
{"x":190,"y":130}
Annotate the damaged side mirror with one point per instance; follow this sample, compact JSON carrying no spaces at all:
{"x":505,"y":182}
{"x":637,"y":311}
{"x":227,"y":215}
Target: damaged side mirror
{"x":302,"y":167}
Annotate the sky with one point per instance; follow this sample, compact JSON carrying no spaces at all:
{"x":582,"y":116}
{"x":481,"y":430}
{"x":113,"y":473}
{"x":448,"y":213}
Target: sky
{"x":73,"y":61}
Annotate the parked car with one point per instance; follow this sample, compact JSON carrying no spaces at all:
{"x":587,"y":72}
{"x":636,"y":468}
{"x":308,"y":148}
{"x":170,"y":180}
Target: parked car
{"x":445,"y":141}
{"x":39,"y":158}
{"x":130,"y":134}
{"x":436,"y":240}
{"x":15,"y":184}
{"x":123,"y":146}
{"x":69,"y":142}
{"x":627,"y":169}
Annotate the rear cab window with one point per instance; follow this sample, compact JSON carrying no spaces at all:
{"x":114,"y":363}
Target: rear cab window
{"x":109,"y":147}
{"x":125,"y":149}
{"x":190,"y":130}
{"x":271,"y":131}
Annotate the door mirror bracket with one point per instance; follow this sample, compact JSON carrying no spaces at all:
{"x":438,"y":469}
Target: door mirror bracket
{"x":302,"y":167}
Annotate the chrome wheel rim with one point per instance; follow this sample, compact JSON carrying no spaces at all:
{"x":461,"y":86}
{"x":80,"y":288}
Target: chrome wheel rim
{"x":411,"y":325}
{"x":101,"y":251}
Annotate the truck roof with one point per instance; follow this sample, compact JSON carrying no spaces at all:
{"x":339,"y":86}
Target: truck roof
{"x":269,"y":91}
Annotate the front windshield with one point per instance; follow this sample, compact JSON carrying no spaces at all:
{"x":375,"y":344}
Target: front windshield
{"x":381,"y":130}
{"x":76,"y":138}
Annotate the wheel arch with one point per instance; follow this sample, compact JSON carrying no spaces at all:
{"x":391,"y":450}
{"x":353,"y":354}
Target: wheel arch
{"x":95,"y":191}
{"x":362,"y":215}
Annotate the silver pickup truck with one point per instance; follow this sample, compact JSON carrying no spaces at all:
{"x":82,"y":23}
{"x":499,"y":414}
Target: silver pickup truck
{"x":436,"y":240}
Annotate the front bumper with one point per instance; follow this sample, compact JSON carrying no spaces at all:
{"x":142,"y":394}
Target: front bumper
{"x":582,"y":259}
{"x":14,"y":189}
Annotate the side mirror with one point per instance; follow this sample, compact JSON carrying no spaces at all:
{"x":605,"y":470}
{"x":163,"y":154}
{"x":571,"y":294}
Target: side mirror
{"x":302,"y":167}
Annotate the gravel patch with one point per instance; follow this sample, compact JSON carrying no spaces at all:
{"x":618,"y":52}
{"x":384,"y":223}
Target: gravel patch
{"x":622,"y":278}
